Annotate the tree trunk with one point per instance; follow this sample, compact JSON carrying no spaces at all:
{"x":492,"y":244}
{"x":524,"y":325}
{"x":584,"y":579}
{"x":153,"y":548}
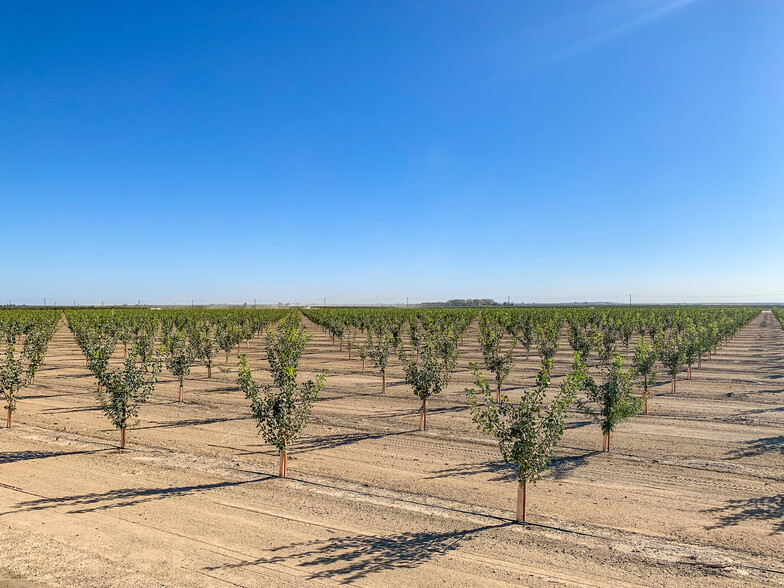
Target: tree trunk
{"x":363,"y":365}
{"x":521,"y":495}
{"x":349,"y":352}
{"x":673,"y":384}
{"x":283,"y":464}
{"x":8,"y":418}
{"x":498,"y":392}
{"x":227,"y":358}
{"x":699,"y":362}
{"x":688,"y":374}
{"x":180,"y":398}
{"x":122,"y":437}
{"x":608,"y":441}
{"x":125,"y":349}
{"x":645,"y":394}
{"x":209,"y":370}
{"x":383,"y":381}
{"x":423,"y":416}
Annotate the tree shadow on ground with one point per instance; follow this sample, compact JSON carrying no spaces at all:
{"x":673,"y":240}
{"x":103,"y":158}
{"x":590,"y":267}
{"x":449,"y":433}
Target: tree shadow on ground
{"x":67,"y":410}
{"x":766,"y":391}
{"x":759,"y":447}
{"x":95,"y":501}
{"x":189,"y":423}
{"x":318,"y":442}
{"x":561,"y":467}
{"x":14,"y":456}
{"x":502,"y":472}
{"x":578,"y":424}
{"x":760,"y":411}
{"x":760,"y":508}
{"x":354,"y":557}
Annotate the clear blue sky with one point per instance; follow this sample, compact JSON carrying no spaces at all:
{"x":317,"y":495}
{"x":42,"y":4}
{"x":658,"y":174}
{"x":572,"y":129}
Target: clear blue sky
{"x":369,"y":151}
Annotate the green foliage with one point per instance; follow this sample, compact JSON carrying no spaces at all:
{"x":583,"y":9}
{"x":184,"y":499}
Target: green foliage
{"x":612,"y":401}
{"x":497,"y":361}
{"x":12,"y":377}
{"x":672,"y":355}
{"x":18,"y":369}
{"x":427,"y":377}
{"x":579,"y":340}
{"x":644,"y":361}
{"x":179,"y":357}
{"x":281,"y":410}
{"x":528,"y":431}
{"x":126,"y":389}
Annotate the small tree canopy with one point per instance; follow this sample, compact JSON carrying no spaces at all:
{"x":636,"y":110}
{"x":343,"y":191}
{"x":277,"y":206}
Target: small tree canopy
{"x":612,"y":401}
{"x":528,"y":431}
{"x":281,"y":410}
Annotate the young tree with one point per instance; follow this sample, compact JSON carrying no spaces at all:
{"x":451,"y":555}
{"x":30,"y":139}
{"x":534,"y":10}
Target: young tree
{"x":612,"y":401}
{"x":580,"y":341}
{"x":227,"y":336}
{"x":691,"y":348}
{"x":644,"y":364}
{"x":527,"y":432}
{"x":144,"y":341}
{"x":34,"y":351}
{"x":179,"y":359}
{"x":547,"y":339}
{"x":379,"y":354}
{"x":12,"y":379}
{"x":625,"y":331}
{"x":525,"y":334}
{"x":672,"y":357}
{"x":351,"y":340}
{"x":427,"y":377}
{"x":126,"y":390}
{"x":99,"y":350}
{"x":205,"y":347}
{"x":281,"y":410}
{"x":362,"y":351}
{"x":496,"y":361}
{"x":446,"y":346}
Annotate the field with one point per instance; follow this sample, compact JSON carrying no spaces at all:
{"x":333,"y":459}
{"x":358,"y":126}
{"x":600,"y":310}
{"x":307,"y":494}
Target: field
{"x":692,"y":494}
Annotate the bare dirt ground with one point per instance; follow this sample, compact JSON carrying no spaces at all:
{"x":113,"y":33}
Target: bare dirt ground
{"x":691,"y":495}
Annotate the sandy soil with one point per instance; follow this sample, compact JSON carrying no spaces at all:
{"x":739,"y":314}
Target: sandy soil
{"x":692,"y":494}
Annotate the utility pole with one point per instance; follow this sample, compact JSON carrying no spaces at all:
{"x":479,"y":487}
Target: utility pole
{"x":630,"y":299}
{"x":254,"y":303}
{"x":325,"y":301}
{"x":406,"y":301}
{"x":509,"y":301}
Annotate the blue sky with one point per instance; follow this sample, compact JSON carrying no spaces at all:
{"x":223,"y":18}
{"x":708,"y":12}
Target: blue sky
{"x":368,"y":151}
